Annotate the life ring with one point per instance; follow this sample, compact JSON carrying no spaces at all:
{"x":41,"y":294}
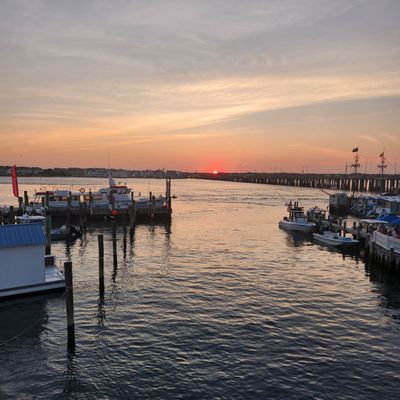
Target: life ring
{"x":82,"y":190}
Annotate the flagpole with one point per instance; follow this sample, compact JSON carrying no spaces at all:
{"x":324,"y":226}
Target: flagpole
{"x":355,"y":165}
{"x":382,"y":166}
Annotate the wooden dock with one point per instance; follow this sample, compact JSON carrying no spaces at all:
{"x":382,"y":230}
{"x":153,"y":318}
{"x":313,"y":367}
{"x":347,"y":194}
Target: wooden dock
{"x":374,"y":183}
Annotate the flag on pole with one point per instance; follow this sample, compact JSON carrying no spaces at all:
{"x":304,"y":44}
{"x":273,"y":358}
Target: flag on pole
{"x":382,"y":155}
{"x":14,"y":181}
{"x":355,"y":150}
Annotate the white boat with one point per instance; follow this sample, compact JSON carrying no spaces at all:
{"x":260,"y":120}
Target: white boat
{"x":296,"y":221}
{"x":31,"y":219}
{"x":330,"y":238}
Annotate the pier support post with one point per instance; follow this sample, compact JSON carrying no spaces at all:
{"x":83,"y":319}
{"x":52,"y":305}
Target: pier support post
{"x":69,"y":298}
{"x":391,"y":256}
{"x":100,"y":239}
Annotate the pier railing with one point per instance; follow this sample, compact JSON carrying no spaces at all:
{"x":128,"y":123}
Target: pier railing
{"x":386,"y":242}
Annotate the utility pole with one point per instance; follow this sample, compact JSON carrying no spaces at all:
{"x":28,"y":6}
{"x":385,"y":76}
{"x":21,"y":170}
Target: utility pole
{"x":347,"y":166}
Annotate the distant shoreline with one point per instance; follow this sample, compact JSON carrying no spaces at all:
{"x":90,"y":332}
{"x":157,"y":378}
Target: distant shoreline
{"x":37,"y":172}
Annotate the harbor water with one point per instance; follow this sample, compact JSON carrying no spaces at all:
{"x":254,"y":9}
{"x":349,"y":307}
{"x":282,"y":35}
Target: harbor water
{"x":217,"y":304}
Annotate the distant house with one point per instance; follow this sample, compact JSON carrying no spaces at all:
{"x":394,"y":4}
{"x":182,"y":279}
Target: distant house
{"x":22,"y":261}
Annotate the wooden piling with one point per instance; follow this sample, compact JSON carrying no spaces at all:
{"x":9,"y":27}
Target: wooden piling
{"x":20,"y":205}
{"x":48,"y":234}
{"x":132,"y":214}
{"x":26,"y":199}
{"x":69,"y":299}
{"x":100,"y":239}
{"x":153,"y":207}
{"x":391,"y":256}
{"x":68,"y":215}
{"x":12,"y":215}
{"x":114,"y":240}
{"x":81,"y":215}
{"x":91,"y":201}
{"x":84,"y":216}
{"x":169,"y":197}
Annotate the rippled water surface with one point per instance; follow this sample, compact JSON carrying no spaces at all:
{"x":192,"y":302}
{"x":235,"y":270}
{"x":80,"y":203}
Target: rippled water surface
{"x":219,"y":304}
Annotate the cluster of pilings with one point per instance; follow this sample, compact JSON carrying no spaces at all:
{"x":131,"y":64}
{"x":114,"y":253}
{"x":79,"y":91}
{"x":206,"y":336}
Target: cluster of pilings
{"x":351,"y":182}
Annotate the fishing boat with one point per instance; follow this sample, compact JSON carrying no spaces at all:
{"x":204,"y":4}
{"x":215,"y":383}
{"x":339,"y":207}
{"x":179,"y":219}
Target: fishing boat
{"x":330,"y":238}
{"x":296,"y":221}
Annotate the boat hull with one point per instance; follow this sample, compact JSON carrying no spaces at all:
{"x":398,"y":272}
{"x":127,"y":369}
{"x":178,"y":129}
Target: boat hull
{"x":54,"y":282}
{"x":339,"y":243}
{"x":296,"y":227}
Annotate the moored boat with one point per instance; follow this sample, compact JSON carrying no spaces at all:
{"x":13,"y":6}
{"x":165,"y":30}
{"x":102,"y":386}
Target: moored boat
{"x":296,"y":221}
{"x":330,"y":238}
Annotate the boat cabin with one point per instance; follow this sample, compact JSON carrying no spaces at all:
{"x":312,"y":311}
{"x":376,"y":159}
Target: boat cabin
{"x":58,"y":198}
{"x":296,"y":214}
{"x":23,"y":267}
{"x":22,"y":249}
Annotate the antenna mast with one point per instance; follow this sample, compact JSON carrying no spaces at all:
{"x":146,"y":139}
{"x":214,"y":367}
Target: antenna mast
{"x":356,"y":163}
{"x":382,"y":165}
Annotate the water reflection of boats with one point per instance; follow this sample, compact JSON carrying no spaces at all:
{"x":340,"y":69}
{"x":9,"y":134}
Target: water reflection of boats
{"x":297,"y":239}
{"x":296,"y":221}
{"x":17,"y":321}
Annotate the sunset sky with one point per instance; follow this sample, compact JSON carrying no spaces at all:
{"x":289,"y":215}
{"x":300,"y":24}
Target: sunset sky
{"x":200,"y":85}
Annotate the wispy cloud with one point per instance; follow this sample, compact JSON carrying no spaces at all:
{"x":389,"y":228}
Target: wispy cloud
{"x":368,"y":138}
{"x":94,"y":74}
{"x":392,"y":138}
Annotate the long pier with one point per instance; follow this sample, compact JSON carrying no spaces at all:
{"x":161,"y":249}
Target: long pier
{"x":374,"y":183}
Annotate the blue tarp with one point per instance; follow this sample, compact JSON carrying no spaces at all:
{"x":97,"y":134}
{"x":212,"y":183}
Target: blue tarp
{"x":388,"y":218}
{"x":16,"y":235}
